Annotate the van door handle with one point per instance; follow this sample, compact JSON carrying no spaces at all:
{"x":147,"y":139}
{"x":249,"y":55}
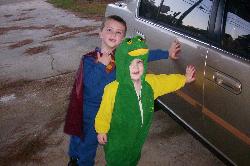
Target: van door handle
{"x":227,"y":82}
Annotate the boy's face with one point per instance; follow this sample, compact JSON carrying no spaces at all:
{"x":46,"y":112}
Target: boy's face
{"x":112,"y":34}
{"x":136,"y":69}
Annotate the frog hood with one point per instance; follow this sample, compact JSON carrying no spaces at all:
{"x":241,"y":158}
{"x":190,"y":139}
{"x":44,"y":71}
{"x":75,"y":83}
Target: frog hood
{"x":126,"y":52}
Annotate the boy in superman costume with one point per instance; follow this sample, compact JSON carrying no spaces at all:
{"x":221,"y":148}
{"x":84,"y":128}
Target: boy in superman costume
{"x":127,"y":107}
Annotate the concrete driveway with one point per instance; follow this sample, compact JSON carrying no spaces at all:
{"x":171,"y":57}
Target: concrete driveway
{"x":39,"y":41}
{"x":40,"y":48}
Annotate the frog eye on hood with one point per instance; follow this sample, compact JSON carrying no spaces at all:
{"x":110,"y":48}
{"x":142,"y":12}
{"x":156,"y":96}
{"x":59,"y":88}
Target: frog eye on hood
{"x":141,"y":39}
{"x":129,"y":41}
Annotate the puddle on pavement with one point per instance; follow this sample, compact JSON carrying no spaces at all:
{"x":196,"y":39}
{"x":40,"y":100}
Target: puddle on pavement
{"x":20,"y":43}
{"x":36,"y":50}
{"x":22,"y":18}
{"x":64,"y":29}
{"x":4,"y":30}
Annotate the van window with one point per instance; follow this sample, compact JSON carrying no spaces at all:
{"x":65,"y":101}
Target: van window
{"x":188,"y":16}
{"x":149,"y":9}
{"x":236,"y":38}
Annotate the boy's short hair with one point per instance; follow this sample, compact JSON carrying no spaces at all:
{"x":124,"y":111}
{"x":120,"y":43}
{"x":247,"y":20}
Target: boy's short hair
{"x":116,"y":18}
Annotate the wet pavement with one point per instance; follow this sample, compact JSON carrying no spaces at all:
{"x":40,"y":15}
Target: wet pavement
{"x":40,"y":48}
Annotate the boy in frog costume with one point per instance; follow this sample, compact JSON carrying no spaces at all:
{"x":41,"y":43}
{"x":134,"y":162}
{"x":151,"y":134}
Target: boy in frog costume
{"x":127,"y":107}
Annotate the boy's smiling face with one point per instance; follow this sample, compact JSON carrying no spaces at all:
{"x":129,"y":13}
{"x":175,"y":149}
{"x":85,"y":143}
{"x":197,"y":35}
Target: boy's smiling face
{"x":112,"y":34}
{"x":136,"y":69}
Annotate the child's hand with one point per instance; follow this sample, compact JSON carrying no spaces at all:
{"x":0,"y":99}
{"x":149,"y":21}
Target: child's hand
{"x":190,"y":73}
{"x":102,"y":138}
{"x":105,"y":58}
{"x":175,"y":49}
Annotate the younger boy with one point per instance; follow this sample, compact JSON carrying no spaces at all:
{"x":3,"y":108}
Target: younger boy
{"x":96,"y":70}
{"x":127,"y":106}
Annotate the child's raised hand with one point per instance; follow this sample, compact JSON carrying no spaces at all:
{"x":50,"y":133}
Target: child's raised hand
{"x":102,"y":138}
{"x":190,"y":73}
{"x":175,"y":49}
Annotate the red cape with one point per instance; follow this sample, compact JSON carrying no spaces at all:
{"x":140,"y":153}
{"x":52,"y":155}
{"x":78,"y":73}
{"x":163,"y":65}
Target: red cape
{"x":73,"y":122}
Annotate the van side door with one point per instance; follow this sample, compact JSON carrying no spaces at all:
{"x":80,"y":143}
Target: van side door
{"x":227,"y":82}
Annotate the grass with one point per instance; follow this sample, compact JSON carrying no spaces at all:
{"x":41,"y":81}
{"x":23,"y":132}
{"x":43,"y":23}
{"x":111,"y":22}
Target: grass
{"x":84,"y":7}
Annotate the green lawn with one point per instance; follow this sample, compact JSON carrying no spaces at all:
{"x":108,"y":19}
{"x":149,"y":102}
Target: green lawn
{"x":84,"y":7}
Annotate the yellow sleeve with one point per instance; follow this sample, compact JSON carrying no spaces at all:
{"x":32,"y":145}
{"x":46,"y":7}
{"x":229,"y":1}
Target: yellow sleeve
{"x":163,"y":84}
{"x":104,"y":114}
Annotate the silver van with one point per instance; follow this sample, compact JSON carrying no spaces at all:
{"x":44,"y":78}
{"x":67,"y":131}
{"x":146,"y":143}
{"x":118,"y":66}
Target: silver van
{"x":215,"y":38}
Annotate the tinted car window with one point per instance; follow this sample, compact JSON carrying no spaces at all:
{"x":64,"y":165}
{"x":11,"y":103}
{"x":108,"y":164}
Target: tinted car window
{"x":189,"y":16}
{"x":149,"y":9}
{"x":236,"y":38}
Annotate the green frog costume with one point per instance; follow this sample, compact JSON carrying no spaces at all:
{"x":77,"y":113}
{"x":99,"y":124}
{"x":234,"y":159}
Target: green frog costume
{"x":125,"y":116}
